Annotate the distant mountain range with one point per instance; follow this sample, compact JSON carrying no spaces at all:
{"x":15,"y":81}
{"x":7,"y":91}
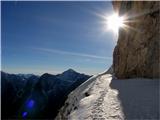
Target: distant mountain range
{"x":32,"y":96}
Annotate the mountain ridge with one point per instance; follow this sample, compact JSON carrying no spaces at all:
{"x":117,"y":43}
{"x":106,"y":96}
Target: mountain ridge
{"x":48,"y":91}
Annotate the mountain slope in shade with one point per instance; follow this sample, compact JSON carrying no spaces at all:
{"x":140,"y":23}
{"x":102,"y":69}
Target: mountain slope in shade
{"x":14,"y":91}
{"x":18,"y":81}
{"x":37,"y":97}
{"x":57,"y":87}
{"x":104,"y":97}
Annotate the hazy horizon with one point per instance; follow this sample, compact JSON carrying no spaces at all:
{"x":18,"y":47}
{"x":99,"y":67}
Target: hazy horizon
{"x":50,"y":72}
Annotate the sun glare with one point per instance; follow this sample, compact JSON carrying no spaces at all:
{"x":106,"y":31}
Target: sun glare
{"x":114,"y":22}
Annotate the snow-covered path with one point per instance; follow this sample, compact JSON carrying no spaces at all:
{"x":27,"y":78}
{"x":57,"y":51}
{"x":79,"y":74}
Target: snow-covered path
{"x":97,"y":98}
{"x":105,"y":98}
{"x":106,"y":105}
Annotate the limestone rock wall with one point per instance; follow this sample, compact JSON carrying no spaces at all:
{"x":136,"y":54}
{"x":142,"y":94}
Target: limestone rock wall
{"x":137,"y":53}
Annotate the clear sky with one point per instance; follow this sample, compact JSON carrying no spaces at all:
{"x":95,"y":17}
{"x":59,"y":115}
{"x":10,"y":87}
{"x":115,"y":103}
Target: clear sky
{"x":40,"y":37}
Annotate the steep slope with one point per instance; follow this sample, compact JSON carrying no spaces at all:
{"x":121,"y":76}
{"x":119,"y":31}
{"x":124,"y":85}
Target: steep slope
{"x":137,"y":53}
{"x":14,"y":90}
{"x":30,"y":96}
{"x":104,"y":97}
{"x":57,"y":87}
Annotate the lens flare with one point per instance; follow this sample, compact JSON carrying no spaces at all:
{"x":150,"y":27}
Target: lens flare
{"x":24,"y":114}
{"x":30,"y":103}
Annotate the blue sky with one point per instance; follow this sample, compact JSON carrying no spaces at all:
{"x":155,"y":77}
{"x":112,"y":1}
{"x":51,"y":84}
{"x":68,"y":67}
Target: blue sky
{"x":39,"y":37}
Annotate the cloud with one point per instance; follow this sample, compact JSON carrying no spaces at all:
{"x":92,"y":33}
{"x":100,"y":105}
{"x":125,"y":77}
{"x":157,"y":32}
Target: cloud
{"x":72,"y":53}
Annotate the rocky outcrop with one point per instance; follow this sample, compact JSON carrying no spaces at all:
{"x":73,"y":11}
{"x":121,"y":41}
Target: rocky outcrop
{"x":137,"y":53}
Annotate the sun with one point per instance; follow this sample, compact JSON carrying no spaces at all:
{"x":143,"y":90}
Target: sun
{"x":114,"y":22}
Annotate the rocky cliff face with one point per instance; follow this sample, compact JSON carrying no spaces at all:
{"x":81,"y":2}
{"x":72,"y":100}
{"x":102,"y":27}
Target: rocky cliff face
{"x":137,"y":53}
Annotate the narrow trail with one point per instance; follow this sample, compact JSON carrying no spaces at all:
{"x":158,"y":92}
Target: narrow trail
{"x":106,"y":106}
{"x":98,"y":112}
